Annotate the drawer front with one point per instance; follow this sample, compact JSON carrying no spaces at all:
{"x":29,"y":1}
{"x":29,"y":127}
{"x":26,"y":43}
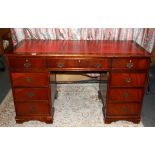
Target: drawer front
{"x":33,"y":108}
{"x":21,"y":94}
{"x":125,"y":95}
{"x":130,"y":64}
{"x":66,"y":63}
{"x":30,"y":79}
{"x":119,"y":109}
{"x":27,"y":63}
{"x":128,"y":79}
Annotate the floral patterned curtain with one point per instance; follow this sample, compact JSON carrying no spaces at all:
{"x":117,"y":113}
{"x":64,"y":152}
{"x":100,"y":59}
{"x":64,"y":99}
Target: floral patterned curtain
{"x":143,"y":36}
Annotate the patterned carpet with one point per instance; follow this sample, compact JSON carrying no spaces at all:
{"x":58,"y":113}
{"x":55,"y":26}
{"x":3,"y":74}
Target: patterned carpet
{"x":77,"y":105}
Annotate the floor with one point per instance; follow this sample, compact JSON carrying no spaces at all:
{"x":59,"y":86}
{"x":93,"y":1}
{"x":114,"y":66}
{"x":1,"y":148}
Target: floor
{"x":148,"y":111}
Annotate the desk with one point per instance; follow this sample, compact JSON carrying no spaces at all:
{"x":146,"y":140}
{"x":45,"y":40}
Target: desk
{"x":33,"y":61}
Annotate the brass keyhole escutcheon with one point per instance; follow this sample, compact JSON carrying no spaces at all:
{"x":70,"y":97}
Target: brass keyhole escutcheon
{"x":26,"y":60}
{"x":130,"y":65}
{"x":128,"y":80}
{"x":79,"y":61}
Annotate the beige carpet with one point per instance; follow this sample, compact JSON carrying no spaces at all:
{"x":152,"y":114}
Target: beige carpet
{"x":77,"y":106}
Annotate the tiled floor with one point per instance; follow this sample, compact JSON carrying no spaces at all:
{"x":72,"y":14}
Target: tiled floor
{"x":148,"y":111}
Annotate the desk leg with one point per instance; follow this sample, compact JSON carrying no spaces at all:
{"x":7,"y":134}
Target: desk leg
{"x":102,"y":89}
{"x":102,"y":92}
{"x":54,"y":92}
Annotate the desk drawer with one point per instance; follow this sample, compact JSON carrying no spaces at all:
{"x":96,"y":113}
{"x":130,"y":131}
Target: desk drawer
{"x":30,"y":79}
{"x":128,"y":79}
{"x":33,"y":108}
{"x":21,"y":94}
{"x":125,"y":95}
{"x":16,"y":63}
{"x":123,"y":109}
{"x":130,"y":64}
{"x":80,"y":63}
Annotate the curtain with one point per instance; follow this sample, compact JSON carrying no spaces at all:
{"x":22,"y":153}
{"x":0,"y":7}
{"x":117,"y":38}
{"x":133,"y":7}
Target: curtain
{"x":145,"y":37}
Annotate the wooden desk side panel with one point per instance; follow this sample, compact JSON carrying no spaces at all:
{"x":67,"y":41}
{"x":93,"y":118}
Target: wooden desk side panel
{"x":81,"y":56}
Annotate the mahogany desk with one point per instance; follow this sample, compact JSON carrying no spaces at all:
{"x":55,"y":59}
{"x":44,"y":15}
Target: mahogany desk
{"x":33,"y":61}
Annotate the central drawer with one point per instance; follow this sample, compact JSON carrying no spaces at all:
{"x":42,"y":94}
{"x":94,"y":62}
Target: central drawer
{"x":78,"y":63}
{"x":21,"y":94}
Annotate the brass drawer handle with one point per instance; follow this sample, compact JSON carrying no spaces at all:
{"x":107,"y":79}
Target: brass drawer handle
{"x":27,"y":65}
{"x":125,"y":109}
{"x":29,"y":79}
{"x":60,"y":65}
{"x":126,"y":94}
{"x":32,"y":110}
{"x":97,"y":65}
{"x":128,"y":80}
{"x":130,"y":65}
{"x":30,"y":94}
